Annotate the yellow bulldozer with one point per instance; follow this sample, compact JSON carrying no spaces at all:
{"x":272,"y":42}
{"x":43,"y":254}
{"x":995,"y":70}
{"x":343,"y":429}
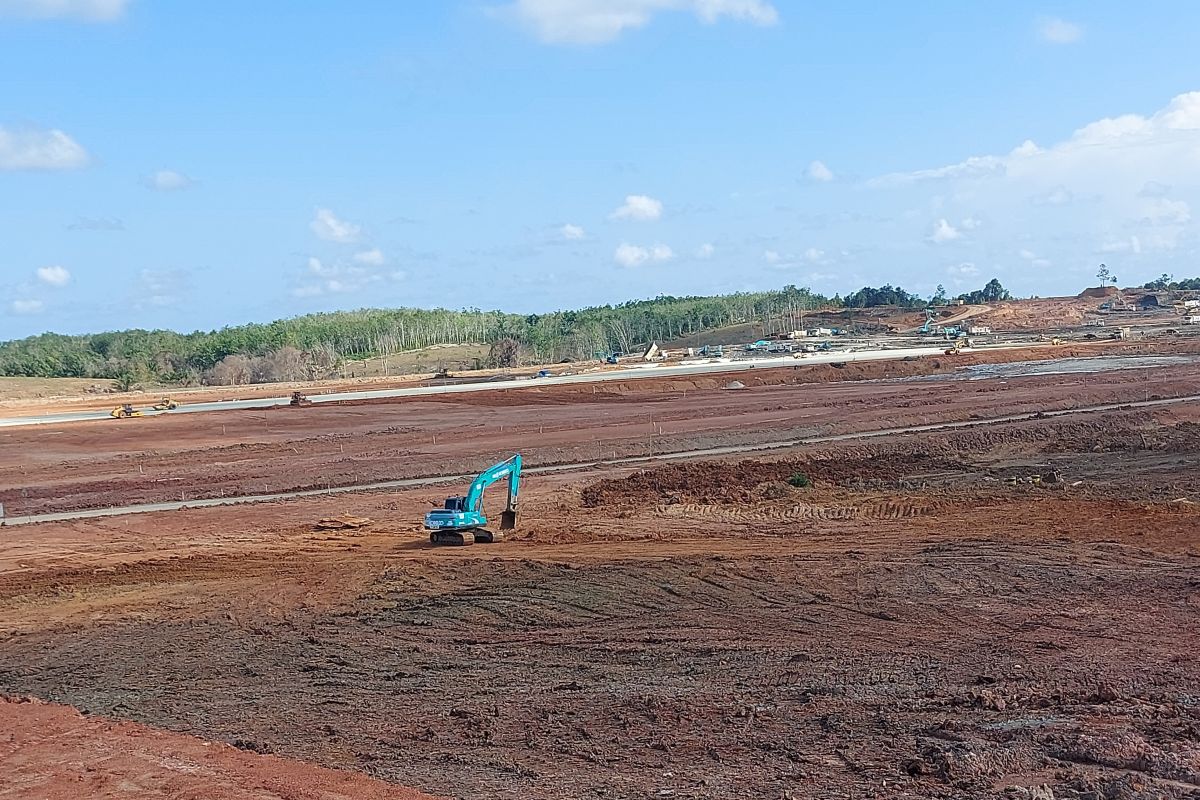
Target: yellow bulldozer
{"x":124,"y":411}
{"x":166,"y":404}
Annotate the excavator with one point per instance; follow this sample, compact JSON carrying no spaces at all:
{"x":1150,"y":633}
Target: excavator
{"x":461,"y":520}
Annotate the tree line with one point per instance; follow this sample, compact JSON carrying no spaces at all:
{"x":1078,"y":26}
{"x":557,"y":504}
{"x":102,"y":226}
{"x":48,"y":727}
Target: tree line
{"x":1167,"y":283}
{"x":315,"y":345}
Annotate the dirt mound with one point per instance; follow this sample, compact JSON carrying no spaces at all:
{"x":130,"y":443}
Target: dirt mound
{"x":55,"y":753}
{"x":1098,"y":291}
{"x":738,"y":482}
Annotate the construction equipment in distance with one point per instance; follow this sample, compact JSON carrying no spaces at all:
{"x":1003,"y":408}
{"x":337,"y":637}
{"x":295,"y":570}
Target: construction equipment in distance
{"x":166,"y":404}
{"x":298,"y":399}
{"x":124,"y":412}
{"x":461,"y":520}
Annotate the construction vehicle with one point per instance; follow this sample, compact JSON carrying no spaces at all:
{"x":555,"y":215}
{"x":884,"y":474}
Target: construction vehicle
{"x":166,"y":404}
{"x":461,"y":519}
{"x":124,"y":412}
{"x":298,"y":399}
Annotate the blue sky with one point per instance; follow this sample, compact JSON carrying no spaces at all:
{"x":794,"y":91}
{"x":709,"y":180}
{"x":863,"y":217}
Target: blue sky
{"x":192,"y":165}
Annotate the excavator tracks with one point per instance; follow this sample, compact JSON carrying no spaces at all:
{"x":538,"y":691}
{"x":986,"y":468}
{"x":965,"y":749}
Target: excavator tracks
{"x":458,"y":538}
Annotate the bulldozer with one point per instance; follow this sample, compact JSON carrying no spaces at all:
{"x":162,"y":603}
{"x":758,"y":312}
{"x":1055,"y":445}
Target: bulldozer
{"x":166,"y":404}
{"x":124,"y":412}
{"x":298,"y":399}
{"x":461,"y":520}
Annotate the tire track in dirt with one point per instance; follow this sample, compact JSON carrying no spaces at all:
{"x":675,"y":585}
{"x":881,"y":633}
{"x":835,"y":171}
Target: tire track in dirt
{"x":882,"y":510}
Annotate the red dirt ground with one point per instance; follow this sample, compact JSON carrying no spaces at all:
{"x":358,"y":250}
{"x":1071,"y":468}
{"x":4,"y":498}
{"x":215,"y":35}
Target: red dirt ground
{"x":87,"y":465}
{"x":1001,"y":611}
{"x":52,"y":752}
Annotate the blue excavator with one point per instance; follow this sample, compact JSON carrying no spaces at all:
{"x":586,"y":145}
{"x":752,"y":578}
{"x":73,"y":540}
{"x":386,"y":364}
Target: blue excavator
{"x":461,"y":520}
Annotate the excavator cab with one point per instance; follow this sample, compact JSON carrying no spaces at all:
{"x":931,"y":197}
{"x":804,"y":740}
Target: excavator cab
{"x":461,"y":520}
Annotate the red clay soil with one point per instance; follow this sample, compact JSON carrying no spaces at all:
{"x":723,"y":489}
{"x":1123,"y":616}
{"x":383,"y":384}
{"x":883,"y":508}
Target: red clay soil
{"x":88,"y":465}
{"x":970,"y":634}
{"x":52,"y":752}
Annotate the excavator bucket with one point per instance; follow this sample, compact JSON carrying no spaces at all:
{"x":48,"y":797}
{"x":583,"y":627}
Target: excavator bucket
{"x":508,"y":520}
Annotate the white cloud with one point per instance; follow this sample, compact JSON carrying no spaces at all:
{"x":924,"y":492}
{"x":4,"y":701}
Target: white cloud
{"x":600,"y":21}
{"x":813,"y":255}
{"x":26,"y":306}
{"x":1154,"y":189}
{"x":54,"y":275}
{"x":1161,"y":211}
{"x":639,"y":207}
{"x":631,"y":255}
{"x":1058,"y":31}
{"x":705,"y":250}
{"x":1055,"y":196}
{"x":772,"y":256}
{"x":96,"y":224}
{"x":1131,"y":245}
{"x":343,"y":276}
{"x":373,"y":257}
{"x":161,"y":288}
{"x":817,"y":171}
{"x":943,"y":232}
{"x":88,"y":10}
{"x":167,"y":180}
{"x":572,"y":233}
{"x":328,"y":227}
{"x":970,"y":224}
{"x":973,"y":167}
{"x":1034,"y":260}
{"x":660,"y":252}
{"x":963,"y":270}
{"x":32,"y":149}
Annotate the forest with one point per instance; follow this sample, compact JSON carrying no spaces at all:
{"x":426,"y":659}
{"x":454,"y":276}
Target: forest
{"x":313,"y":346}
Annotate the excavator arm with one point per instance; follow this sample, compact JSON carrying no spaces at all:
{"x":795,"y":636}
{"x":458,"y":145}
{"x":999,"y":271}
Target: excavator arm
{"x":511,"y":469}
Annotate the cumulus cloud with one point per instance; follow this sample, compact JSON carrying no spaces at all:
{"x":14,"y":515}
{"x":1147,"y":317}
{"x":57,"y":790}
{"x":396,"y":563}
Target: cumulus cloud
{"x":373,"y":257}
{"x":363,"y":270}
{"x":167,"y":180}
{"x":34,"y":149}
{"x":26,"y":306}
{"x":54,"y":275}
{"x":943,"y":232}
{"x":1033,"y":259}
{"x":572,"y":233}
{"x":1138,"y":174}
{"x":813,"y":255}
{"x":1127,"y":139}
{"x":817,"y":171}
{"x":1154,"y":189}
{"x":639,"y":207}
{"x":327,"y":226}
{"x":631,"y":255}
{"x":161,"y":288}
{"x":1055,"y":196}
{"x":1058,"y":31}
{"x":705,"y":250}
{"x":974,"y":167}
{"x":961,"y":274}
{"x":600,"y":21}
{"x":96,"y":224}
{"x":772,"y":256}
{"x":86,"y":10}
